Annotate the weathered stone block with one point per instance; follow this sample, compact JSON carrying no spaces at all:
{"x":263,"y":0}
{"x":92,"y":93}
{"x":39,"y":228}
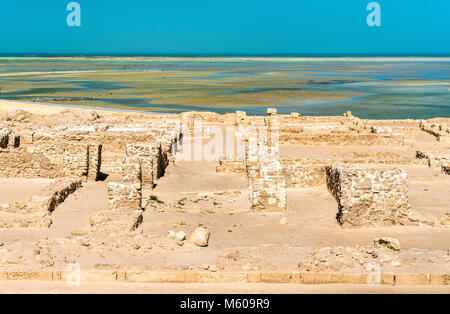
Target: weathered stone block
{"x":300,"y":174}
{"x":76,"y":160}
{"x":124,"y":197}
{"x":147,"y":154}
{"x":156,"y":276}
{"x":369,"y":197}
{"x":440,"y":279}
{"x":95,"y":162}
{"x":405,"y":279}
{"x":132,"y":172}
{"x":276,"y":277}
{"x":268,"y":194}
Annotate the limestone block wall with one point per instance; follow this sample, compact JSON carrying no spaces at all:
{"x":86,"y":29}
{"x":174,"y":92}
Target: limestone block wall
{"x":20,"y":163}
{"x":369,"y":197}
{"x":132,"y":172}
{"x":269,"y":194}
{"x":162,"y":159}
{"x":155,"y":157}
{"x":231,"y":166}
{"x":76,"y":160}
{"x":241,"y":119}
{"x":51,"y":161}
{"x":54,"y":195}
{"x":300,"y":174}
{"x":124,"y":197}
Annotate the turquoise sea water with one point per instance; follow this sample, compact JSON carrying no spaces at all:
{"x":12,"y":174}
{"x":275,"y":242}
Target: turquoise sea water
{"x":386,"y":88}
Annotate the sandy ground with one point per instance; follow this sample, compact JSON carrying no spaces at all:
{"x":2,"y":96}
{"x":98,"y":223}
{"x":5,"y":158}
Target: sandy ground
{"x":6,"y":105}
{"x":18,"y":190}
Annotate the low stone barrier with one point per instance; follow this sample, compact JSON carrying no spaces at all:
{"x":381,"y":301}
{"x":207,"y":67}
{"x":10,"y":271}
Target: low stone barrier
{"x":435,"y":160}
{"x":137,"y":276}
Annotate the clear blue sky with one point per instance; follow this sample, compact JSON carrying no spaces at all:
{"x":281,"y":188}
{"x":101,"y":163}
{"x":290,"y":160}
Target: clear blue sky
{"x":231,"y":26}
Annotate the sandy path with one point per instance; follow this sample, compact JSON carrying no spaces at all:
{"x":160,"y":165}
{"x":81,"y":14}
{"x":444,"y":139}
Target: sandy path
{"x":75,"y":212}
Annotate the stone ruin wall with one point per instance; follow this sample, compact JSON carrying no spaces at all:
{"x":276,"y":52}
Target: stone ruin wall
{"x":340,"y":138}
{"x":435,"y":160}
{"x":340,"y":131}
{"x":55,"y":161}
{"x":143,"y":165}
{"x":265,"y":186}
{"x":125,"y":201}
{"x":369,"y":197}
{"x":300,"y":173}
{"x":441,"y":130}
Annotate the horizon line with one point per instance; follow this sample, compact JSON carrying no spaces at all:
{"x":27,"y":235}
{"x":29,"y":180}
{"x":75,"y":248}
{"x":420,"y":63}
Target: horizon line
{"x":225,"y":55}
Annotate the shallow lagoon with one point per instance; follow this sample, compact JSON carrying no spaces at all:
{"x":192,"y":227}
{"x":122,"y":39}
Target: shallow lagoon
{"x":370,"y":89}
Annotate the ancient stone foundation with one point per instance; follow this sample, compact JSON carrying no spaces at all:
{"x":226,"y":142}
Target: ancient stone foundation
{"x":300,"y":173}
{"x":441,"y":131}
{"x":435,"y":160}
{"x":125,"y":201}
{"x":369,"y":197}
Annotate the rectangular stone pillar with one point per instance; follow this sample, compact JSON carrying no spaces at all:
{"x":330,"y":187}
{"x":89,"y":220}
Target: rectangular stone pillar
{"x":268,"y":194}
{"x":147,"y":154}
{"x":4,"y":139}
{"x":124,"y":197}
{"x":95,"y":162}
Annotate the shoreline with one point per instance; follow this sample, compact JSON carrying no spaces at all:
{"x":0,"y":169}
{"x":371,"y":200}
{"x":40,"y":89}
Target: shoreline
{"x":49,"y":108}
{"x":233,"y":58}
